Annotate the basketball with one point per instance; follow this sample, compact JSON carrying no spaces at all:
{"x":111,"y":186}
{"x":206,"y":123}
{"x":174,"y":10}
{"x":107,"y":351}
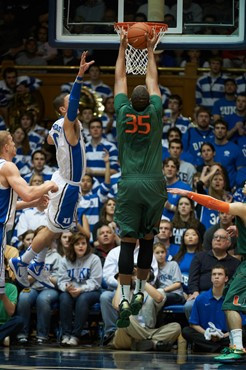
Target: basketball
{"x":136,"y":35}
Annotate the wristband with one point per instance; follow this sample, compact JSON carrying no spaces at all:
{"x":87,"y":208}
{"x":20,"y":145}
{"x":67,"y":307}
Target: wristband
{"x":79,"y":79}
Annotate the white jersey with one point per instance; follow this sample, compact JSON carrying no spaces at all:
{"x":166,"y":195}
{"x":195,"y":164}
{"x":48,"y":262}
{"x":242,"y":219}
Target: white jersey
{"x":71,"y":160}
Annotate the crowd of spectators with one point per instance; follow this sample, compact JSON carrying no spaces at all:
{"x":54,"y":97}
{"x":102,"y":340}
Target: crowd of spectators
{"x":207,"y":155}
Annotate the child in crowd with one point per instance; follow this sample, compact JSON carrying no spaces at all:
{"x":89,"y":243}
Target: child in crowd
{"x":169,"y":277}
{"x":26,"y":240}
{"x":80,"y":277}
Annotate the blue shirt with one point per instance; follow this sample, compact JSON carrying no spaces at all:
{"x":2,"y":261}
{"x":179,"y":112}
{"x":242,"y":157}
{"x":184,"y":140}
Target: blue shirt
{"x":193,"y":140}
{"x":173,"y":198}
{"x":205,"y":309}
{"x":224,"y":107}
{"x":232,"y":119}
{"x":209,"y":217}
{"x":185,"y":262}
{"x":228,"y":155}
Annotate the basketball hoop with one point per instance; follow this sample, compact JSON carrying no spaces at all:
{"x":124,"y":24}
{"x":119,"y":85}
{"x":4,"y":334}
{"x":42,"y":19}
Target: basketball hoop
{"x":137,"y":59}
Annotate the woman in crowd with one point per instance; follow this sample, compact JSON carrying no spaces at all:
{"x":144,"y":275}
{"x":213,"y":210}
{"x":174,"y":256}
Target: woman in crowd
{"x":26,"y":240}
{"x":184,"y":218}
{"x":106,"y":217}
{"x":44,"y":298}
{"x":27,"y":123}
{"x":169,"y":277}
{"x":190,"y":245}
{"x":80,"y":277}
{"x":36,"y":179}
{"x":63,"y":242}
{"x":212,"y":182}
{"x":22,"y":158}
{"x":208,"y":154}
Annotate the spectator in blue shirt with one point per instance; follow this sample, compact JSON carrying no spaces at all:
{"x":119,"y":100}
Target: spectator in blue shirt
{"x":236,"y":120}
{"x":164,"y":237}
{"x":227,"y":105}
{"x":171,"y":170}
{"x":227,"y":153}
{"x":196,"y":136}
{"x":206,"y":310}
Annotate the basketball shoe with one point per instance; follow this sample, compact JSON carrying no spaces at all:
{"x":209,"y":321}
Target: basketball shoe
{"x":37,"y":271}
{"x":231,"y":354}
{"x":136,"y":303}
{"x":124,"y":314}
{"x":19,"y":268}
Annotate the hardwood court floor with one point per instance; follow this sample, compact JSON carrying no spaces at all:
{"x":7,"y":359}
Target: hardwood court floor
{"x":55,"y":357}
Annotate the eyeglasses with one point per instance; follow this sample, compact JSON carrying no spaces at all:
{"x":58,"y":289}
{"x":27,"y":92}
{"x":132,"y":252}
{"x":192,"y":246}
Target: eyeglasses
{"x":222,"y":237}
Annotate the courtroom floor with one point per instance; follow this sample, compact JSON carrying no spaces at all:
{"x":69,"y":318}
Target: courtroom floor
{"x":89,"y":357}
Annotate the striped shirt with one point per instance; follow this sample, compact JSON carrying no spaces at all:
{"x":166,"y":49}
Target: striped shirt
{"x":7,"y":94}
{"x":90,"y":205}
{"x":95,"y":154}
{"x":209,"y":90}
{"x":101,"y":89}
{"x":241,"y":84}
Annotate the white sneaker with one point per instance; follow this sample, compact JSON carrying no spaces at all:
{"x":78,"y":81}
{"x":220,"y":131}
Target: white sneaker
{"x":19,"y":268}
{"x":6,"y":342}
{"x":73,"y":341}
{"x":65,"y":339}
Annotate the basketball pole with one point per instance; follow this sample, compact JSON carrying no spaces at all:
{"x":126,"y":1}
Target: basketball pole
{"x":156,"y":10}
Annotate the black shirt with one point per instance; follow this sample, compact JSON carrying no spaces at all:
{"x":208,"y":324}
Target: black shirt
{"x":201,"y":267}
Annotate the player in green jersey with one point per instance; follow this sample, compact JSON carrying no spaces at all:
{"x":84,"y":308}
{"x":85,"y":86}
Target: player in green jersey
{"x":141,"y":191}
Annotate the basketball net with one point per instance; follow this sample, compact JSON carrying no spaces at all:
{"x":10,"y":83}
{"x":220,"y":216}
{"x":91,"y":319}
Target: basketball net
{"x":137,"y":59}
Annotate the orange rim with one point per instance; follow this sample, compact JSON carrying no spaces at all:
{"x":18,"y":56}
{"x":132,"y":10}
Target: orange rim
{"x":159,"y":27}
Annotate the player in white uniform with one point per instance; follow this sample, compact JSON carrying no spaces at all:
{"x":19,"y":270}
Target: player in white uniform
{"x":11,"y":186}
{"x":66,"y":135}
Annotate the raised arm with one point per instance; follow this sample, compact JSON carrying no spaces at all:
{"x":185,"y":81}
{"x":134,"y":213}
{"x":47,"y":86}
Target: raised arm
{"x":152,"y":73}
{"x":120,"y":84}
{"x":73,"y":104}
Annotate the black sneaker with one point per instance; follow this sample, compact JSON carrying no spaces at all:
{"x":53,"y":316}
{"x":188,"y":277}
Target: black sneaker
{"x":124,"y":314}
{"x":163,"y":346}
{"x":107,"y":338}
{"x":137,"y":303}
{"x":142,"y":345}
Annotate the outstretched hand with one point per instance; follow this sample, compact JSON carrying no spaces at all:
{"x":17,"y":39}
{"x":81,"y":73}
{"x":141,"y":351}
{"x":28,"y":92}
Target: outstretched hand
{"x":83,"y":64}
{"x":151,"y":38}
{"x":123,"y":38}
{"x":178,"y":191}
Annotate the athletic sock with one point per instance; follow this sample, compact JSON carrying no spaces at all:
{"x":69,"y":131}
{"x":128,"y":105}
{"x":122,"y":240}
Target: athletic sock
{"x":40,"y":257}
{"x":237,"y":338}
{"x":125,"y":292}
{"x":28,"y":255}
{"x":140,"y":286}
{"x":231,"y":339}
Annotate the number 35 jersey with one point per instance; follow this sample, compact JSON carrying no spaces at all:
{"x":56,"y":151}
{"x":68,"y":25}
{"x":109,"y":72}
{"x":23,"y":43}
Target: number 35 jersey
{"x":139,"y":137}
{"x":71,"y":159}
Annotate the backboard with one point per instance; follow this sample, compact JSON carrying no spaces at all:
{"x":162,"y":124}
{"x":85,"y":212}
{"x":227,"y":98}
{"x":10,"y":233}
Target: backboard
{"x":207,"y":24}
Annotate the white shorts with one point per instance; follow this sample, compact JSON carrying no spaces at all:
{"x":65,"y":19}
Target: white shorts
{"x":62,"y":208}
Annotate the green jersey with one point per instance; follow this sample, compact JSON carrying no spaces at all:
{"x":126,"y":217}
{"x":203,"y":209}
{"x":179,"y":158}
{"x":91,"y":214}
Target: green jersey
{"x":241,"y":246}
{"x":139,"y":137}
